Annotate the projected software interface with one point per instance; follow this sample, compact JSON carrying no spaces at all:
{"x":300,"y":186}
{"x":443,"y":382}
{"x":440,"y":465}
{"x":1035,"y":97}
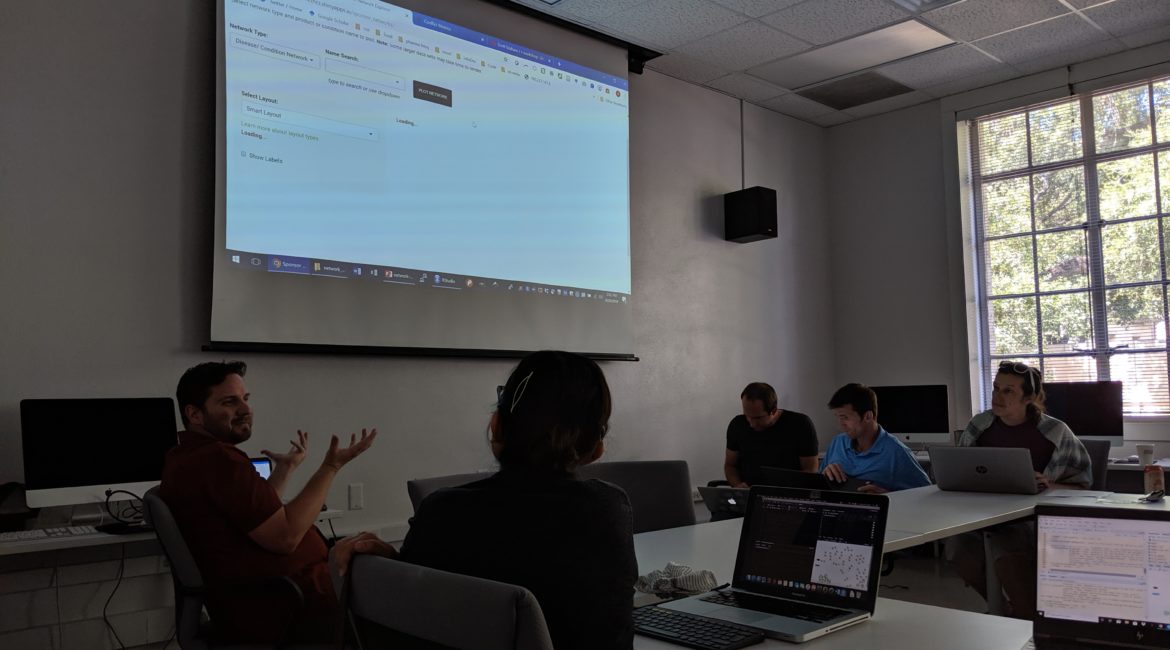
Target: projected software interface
{"x":799,"y":545}
{"x":1112,"y":571}
{"x":368,"y":141}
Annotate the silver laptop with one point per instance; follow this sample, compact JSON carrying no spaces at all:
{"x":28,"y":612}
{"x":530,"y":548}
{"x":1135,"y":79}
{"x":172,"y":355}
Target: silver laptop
{"x":1007,"y":470}
{"x":1102,"y":577}
{"x":724,"y":499}
{"x":808,"y":564}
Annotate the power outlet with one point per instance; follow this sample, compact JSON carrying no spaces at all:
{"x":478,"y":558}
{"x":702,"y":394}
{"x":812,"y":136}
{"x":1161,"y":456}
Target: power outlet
{"x":357,"y":497}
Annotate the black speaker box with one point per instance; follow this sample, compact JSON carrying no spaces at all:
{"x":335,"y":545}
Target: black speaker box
{"x":749,"y":215}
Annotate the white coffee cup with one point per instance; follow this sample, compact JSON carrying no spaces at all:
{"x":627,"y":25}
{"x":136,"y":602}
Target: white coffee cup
{"x":1145,"y":454}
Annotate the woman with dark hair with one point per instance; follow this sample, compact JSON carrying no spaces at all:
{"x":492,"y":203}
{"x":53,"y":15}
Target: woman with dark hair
{"x":1017,"y":419}
{"x":534,"y":523}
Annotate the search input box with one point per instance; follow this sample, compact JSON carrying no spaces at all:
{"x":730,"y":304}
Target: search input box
{"x":370,"y":75}
{"x":305,"y":120}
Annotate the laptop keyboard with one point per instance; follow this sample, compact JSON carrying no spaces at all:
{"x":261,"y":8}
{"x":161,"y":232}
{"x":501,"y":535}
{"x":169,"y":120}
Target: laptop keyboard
{"x":792,"y":609}
{"x":692,"y":631}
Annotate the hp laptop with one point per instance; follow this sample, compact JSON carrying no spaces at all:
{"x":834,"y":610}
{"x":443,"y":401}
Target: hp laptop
{"x":1102,"y":577}
{"x":808,"y":564}
{"x":724,"y":499}
{"x":1007,"y":470}
{"x":813,"y":481}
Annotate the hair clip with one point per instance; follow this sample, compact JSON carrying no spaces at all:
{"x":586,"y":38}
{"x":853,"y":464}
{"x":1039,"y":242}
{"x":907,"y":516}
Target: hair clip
{"x":520,"y":387}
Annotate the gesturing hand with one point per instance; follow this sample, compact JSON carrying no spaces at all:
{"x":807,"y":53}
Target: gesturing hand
{"x":295,"y":455}
{"x":338,"y":456}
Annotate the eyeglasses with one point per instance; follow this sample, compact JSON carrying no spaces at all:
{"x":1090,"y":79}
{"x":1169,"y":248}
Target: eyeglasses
{"x":1020,"y":368}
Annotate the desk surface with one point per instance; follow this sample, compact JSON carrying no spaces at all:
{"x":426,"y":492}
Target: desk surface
{"x":100,"y":539}
{"x":896,"y":624}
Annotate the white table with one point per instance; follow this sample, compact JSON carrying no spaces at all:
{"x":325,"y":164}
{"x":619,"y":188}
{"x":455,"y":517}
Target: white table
{"x":936,"y":514}
{"x":101,"y":539}
{"x":896,"y":624}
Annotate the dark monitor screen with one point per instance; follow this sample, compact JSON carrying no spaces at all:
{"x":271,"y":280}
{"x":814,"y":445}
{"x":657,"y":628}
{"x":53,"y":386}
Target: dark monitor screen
{"x":913,"y":409}
{"x":1089,"y":408}
{"x":82,"y":442}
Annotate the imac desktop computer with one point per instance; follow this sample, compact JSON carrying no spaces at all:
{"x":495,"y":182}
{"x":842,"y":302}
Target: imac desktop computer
{"x":917,"y":415}
{"x":78,"y":450}
{"x":1092,"y":409}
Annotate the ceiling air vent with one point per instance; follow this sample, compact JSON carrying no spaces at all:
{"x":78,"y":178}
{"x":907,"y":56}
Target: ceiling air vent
{"x":854,"y":91}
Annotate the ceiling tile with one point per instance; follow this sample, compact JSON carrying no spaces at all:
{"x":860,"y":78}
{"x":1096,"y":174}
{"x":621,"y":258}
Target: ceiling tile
{"x":797,"y":106}
{"x":788,"y":73}
{"x":826,"y":21}
{"x":747,"y":87}
{"x":938,"y":66}
{"x":1147,"y":37}
{"x":1128,"y":16}
{"x":757,"y":8}
{"x":831,"y":119}
{"x":956,"y":86}
{"x":1048,"y":38}
{"x":743,"y":46}
{"x":685,"y":68}
{"x":1070,"y":56}
{"x":673,"y":22}
{"x":974,"y":19}
{"x":1081,"y":4}
{"x":590,"y":10}
{"x":889,"y":104}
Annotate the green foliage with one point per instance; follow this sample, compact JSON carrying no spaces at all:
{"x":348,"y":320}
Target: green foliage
{"x":1049,"y":210}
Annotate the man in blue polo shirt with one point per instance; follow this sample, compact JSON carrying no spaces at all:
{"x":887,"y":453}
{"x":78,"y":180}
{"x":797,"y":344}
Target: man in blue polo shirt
{"x":864,"y":450}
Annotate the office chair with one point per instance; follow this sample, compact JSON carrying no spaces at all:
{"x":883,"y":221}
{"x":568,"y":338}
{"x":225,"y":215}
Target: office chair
{"x":659,"y":490}
{"x":396,"y":604}
{"x":193,"y":630}
{"x":1099,"y":455}
{"x":420,"y":488}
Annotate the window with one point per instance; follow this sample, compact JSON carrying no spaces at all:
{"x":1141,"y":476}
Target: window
{"x":1071,"y":205}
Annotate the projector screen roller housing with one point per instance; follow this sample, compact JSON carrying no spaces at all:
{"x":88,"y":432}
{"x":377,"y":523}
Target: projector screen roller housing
{"x":456,"y":180}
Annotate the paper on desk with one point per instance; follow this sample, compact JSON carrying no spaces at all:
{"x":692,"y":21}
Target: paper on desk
{"x":1121,"y":498}
{"x":1062,"y":493}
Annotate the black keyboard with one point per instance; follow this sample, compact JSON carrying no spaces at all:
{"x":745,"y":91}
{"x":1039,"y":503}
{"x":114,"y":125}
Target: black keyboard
{"x":789,"y":608}
{"x":693,"y":631}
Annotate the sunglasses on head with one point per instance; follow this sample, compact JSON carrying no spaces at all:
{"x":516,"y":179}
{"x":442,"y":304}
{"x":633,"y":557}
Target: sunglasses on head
{"x":1020,"y":368}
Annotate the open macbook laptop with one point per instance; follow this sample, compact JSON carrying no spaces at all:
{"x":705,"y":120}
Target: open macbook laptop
{"x":808,"y":564}
{"x":814,"y":481}
{"x":1102,"y":577}
{"x":1007,"y":470}
{"x":724,"y":499}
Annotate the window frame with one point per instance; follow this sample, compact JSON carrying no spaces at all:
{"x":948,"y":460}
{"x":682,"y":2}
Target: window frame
{"x":1097,"y":289}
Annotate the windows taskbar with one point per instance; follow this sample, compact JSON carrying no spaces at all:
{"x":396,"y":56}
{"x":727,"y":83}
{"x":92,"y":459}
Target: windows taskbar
{"x":409,"y":277}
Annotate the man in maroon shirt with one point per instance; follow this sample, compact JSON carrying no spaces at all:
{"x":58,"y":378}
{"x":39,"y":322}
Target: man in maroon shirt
{"x":234,"y":521}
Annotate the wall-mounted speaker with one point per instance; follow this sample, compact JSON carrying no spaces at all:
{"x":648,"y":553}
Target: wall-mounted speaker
{"x":749,"y":215}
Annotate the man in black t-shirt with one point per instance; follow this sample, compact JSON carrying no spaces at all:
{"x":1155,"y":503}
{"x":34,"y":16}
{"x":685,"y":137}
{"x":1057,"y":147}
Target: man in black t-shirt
{"x":766,"y":436}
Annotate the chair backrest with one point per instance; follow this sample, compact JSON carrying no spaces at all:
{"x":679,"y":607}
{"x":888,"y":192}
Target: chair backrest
{"x":659,"y":490}
{"x":185,"y":574}
{"x":1099,"y":455}
{"x":388,"y":599}
{"x":419,"y":488}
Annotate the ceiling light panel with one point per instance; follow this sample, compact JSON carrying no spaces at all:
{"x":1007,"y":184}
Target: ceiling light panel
{"x":858,"y":53}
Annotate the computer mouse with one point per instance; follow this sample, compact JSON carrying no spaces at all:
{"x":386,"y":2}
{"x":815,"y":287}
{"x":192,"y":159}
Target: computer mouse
{"x":1133,"y":458}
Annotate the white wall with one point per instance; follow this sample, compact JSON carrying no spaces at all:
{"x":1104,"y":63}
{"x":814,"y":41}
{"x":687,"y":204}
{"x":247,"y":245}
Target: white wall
{"x":892,"y":309}
{"x":105,"y":246}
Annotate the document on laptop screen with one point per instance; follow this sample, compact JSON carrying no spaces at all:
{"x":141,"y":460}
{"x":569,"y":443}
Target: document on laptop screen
{"x":1103,"y":570}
